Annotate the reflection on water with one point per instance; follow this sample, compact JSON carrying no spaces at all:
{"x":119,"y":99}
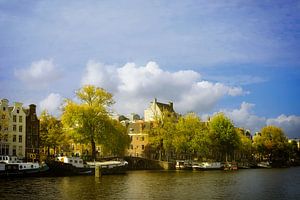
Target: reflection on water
{"x":242,"y":184}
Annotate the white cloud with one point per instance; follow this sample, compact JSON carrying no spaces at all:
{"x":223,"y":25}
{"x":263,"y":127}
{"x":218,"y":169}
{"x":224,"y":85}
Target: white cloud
{"x":39,"y":74}
{"x":52,"y":103}
{"x":244,"y":117}
{"x":290,"y":124}
{"x":134,"y":86}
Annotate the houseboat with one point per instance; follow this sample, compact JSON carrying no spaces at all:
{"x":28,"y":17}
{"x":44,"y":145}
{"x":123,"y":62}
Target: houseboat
{"x":183,"y":165}
{"x":11,"y":166}
{"x":68,"y":166}
{"x":207,"y":166}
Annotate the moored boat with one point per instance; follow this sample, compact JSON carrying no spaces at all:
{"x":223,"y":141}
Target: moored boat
{"x":183,"y":165}
{"x":110,"y":167}
{"x":207,"y":166}
{"x":10,"y":166}
{"x":264,"y":164}
{"x":68,"y":166}
{"x":228,"y":166}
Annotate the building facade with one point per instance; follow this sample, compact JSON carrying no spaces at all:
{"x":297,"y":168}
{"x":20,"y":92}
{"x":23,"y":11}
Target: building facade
{"x":19,"y":129}
{"x":156,"y":109}
{"x":32,"y":134}
{"x":17,"y":135}
{"x":139,"y":137}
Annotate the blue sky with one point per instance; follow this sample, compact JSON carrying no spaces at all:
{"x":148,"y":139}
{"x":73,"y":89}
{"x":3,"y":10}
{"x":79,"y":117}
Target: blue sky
{"x":238,"y":57}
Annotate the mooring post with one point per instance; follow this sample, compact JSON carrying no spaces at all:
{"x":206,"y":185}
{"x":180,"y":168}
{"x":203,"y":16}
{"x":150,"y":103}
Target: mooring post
{"x":98,"y":171}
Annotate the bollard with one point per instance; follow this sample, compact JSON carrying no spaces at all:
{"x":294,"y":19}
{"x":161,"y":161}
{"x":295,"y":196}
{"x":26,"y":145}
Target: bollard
{"x":98,"y":171}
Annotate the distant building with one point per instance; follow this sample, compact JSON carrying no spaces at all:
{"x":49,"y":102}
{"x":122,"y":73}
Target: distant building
{"x":297,"y":140}
{"x":17,"y":135}
{"x":139,"y":137}
{"x":16,"y":123}
{"x":156,"y":109}
{"x":32,"y":134}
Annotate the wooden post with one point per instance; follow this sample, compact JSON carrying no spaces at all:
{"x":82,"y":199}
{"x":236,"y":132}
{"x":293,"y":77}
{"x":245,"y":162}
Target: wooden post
{"x":97,"y":171}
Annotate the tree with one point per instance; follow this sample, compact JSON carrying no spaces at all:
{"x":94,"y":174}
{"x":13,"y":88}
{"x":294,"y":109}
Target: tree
{"x":89,"y":121}
{"x":272,"y":143}
{"x":191,"y":136}
{"x":51,"y":132}
{"x":223,"y":134}
{"x":162,"y":134}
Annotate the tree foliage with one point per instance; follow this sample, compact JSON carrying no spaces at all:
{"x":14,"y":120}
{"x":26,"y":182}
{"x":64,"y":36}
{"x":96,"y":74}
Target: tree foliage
{"x":272,"y":143}
{"x":51,"y":132}
{"x":89,"y":121}
{"x":223,"y":134}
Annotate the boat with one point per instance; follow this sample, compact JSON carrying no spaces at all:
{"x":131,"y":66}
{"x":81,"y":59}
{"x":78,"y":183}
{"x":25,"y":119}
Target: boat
{"x":207,"y":166}
{"x":264,"y":164}
{"x":183,"y":165}
{"x":68,"y":166}
{"x":110,"y":167}
{"x":11,"y":166}
{"x":228,"y":166}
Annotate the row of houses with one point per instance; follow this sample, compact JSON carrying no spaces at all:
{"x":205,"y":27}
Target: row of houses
{"x":19,"y":130}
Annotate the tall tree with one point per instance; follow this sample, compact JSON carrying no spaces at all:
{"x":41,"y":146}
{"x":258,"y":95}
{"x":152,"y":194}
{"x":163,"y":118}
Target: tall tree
{"x":51,"y":132}
{"x":272,"y":143}
{"x":89,"y":119}
{"x":223,"y":134}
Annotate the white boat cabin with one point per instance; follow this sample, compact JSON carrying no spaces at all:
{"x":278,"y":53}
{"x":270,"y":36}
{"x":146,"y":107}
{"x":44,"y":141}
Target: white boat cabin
{"x":75,"y":161}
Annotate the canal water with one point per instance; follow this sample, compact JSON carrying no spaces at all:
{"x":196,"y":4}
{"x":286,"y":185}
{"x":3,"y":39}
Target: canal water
{"x":241,"y":184}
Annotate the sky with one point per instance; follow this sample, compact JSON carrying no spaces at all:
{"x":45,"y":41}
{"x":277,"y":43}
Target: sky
{"x":238,"y":57}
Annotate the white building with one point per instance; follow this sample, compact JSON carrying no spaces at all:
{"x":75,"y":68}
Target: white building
{"x":12,"y":129}
{"x":156,"y":109}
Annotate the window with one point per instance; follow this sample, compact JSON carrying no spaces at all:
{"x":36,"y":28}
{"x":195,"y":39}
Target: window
{"x":3,"y":108}
{"x":14,"y":118}
{"x":143,"y":138}
{"x":131,"y":146}
{"x":143,"y":147}
{"x":20,"y":138}
{"x":20,"y":128}
{"x":20,"y":119}
{"x":14,"y":127}
{"x":14,"y":151}
{"x":14,"y":138}
{"x":18,"y":111}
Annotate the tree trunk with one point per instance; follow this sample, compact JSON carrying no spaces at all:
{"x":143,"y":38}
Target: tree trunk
{"x":93,"y":149}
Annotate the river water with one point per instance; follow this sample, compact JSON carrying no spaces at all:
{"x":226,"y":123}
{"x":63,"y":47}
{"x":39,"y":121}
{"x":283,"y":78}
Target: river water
{"x":241,"y":184}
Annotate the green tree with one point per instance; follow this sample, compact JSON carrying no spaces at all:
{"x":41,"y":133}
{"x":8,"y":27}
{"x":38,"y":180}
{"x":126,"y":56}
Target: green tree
{"x":88,"y":120}
{"x":272,"y":144}
{"x":162,"y":134}
{"x":191,"y":136}
{"x":51,"y":132}
{"x":223,"y":134}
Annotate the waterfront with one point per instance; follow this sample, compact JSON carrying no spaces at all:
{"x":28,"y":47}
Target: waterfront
{"x":241,"y":184}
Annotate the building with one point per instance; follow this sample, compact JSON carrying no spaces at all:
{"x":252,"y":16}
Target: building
{"x":4,"y":127}
{"x":32,"y":134}
{"x":17,"y":135}
{"x":19,"y":128}
{"x":296,"y":140}
{"x":139,"y":137}
{"x":156,"y":110}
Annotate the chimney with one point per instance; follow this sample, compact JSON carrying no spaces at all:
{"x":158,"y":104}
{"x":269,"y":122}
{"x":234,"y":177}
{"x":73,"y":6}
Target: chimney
{"x":171,"y":104}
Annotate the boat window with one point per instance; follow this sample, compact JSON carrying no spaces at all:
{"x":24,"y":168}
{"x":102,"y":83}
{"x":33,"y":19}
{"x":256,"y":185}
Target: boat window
{"x":75,"y":161}
{"x":31,"y":166}
{"x":21,"y":166}
{"x":71,"y":161}
{"x":80,"y":161}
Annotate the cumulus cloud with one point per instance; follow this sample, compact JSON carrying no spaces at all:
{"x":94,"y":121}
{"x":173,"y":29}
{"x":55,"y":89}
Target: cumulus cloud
{"x":290,"y":124}
{"x":244,"y":117}
{"x":134,"y":85}
{"x":52,"y":104}
{"x":39,"y":74}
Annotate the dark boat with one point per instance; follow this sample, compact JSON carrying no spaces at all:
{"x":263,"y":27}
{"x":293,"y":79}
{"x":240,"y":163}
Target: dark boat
{"x":68,"y":166}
